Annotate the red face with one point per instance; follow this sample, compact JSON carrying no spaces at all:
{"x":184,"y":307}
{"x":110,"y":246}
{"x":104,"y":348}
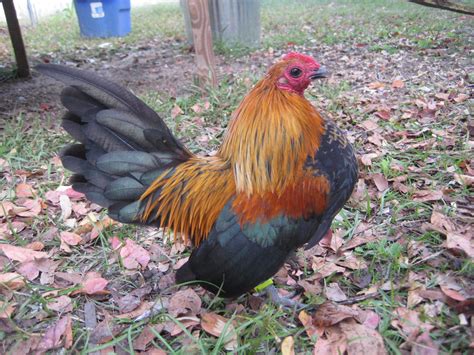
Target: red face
{"x":299,"y":72}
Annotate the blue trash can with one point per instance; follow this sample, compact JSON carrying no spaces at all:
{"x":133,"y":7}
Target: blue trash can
{"x":103,"y":18}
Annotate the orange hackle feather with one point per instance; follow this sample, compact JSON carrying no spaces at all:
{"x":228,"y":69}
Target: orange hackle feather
{"x":260,"y":164}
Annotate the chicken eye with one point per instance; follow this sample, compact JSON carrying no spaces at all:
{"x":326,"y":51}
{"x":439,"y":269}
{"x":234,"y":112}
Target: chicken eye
{"x":296,"y":72}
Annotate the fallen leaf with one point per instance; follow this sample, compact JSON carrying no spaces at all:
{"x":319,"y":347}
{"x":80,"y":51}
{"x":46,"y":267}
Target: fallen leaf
{"x":312,"y":288}
{"x":93,"y":286}
{"x":424,"y":345}
{"x":453,"y":294}
{"x":184,"y":302}
{"x":427,"y":195}
{"x":105,"y":330}
{"x":218,"y":326}
{"x":334,"y":293}
{"x":133,"y":255}
{"x":461,"y":98}
{"x":61,"y":304}
{"x":380,"y":181}
{"x":307,"y":321}
{"x":132,"y":300}
{"x":57,"y":335}
{"x":6,"y":310}
{"x":330,"y":313}
{"x":376,"y":85}
{"x":441,"y":221}
{"x":361,"y":339}
{"x":466,"y":180}
{"x":383,"y":114}
{"x":409,"y":323}
{"x":146,"y":336}
{"x":366,"y":159}
{"x":6,"y":207}
{"x":398,"y":84}
{"x":144,"y":306}
{"x":30,"y":208}
{"x":288,"y":346}
{"x":37,"y":246}
{"x":66,"y":207}
{"x":24,"y":190}
{"x":67,"y":239}
{"x":460,"y":243}
{"x":176,"y":111}
{"x":21,"y":254}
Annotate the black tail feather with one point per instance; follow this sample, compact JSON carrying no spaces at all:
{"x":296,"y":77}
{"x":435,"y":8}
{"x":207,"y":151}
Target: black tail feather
{"x":124,"y":145}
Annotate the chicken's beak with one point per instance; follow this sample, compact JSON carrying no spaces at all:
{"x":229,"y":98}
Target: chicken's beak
{"x":320,"y":73}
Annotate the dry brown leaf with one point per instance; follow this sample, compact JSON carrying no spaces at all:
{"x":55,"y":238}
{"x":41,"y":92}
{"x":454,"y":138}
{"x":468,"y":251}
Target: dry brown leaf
{"x":133,"y":255}
{"x":323,"y":268}
{"x":105,"y":330}
{"x":398,"y":84}
{"x":383,"y":114}
{"x":361,"y":339}
{"x":326,"y":347}
{"x":58,"y":335}
{"x":376,"y":85}
{"x":67,"y":239}
{"x":380,"y":181}
{"x":424,"y":345}
{"x":61,"y":304}
{"x":366,"y":159}
{"x":95,"y":286}
{"x":307,"y":322}
{"x":330,"y":313}
{"x":427,"y":195}
{"x":409,"y":323}
{"x":451,"y":293}
{"x":29,"y":208}
{"x":441,"y":221}
{"x":466,"y":180}
{"x":132,"y":300}
{"x":146,"y":336}
{"x":144,"y":306}
{"x":185,"y":302}
{"x":37,"y":246}
{"x":66,"y":207}
{"x":6,"y":310}
{"x":6,"y":207}
{"x":24,"y":190}
{"x":218,"y":326}
{"x":312,"y":288}
{"x":460,"y":243}
{"x":21,"y":254}
{"x":288,"y":346}
{"x":176,"y":111}
{"x":334,"y":293}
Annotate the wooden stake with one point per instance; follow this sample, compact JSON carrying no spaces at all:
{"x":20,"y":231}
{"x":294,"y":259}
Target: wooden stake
{"x":23,"y":69}
{"x":205,"y":60}
{"x":455,"y":6}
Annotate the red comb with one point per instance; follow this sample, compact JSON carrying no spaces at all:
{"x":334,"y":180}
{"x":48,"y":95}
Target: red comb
{"x":303,"y":57}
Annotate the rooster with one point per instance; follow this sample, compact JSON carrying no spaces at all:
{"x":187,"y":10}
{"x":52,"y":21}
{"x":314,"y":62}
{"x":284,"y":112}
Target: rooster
{"x":281,"y":175}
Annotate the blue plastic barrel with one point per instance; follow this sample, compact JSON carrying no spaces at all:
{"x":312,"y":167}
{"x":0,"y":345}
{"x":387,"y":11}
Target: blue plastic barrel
{"x":103,"y":18}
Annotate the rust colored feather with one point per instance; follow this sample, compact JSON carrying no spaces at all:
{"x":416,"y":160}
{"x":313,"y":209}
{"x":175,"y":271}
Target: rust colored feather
{"x":192,"y":198}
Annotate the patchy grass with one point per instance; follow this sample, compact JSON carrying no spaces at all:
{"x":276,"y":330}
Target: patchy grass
{"x":400,"y":89}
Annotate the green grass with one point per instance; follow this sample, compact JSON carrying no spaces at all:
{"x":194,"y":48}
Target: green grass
{"x":386,"y":28}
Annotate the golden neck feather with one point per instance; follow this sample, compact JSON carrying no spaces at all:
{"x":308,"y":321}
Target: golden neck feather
{"x":269,"y":137}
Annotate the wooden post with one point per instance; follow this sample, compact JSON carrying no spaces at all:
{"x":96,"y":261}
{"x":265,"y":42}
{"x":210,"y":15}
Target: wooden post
{"x":205,"y":60}
{"x":456,"y":6}
{"x":23,"y":69}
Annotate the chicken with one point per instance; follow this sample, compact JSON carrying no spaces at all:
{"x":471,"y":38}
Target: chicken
{"x":281,"y":175}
